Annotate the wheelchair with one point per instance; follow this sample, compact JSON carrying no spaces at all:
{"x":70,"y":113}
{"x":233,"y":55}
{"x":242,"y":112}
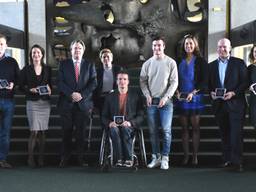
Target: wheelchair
{"x":106,"y":157}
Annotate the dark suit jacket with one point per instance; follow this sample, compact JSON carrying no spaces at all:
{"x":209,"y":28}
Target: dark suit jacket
{"x":134,"y":108}
{"x":29,"y":80}
{"x":236,"y":80}
{"x":201,"y":74}
{"x":67,"y":84}
{"x":100,"y":72}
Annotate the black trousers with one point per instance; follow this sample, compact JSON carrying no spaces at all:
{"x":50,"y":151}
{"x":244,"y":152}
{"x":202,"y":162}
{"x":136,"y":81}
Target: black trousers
{"x":231,"y":131}
{"x":73,"y":124}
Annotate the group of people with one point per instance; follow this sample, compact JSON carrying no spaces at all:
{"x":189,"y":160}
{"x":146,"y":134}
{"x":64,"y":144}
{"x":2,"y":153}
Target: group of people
{"x":83,"y":88}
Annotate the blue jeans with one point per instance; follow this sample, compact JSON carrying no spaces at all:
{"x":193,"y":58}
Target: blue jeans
{"x":122,"y":142}
{"x":7,"y":110}
{"x":160,"y":117}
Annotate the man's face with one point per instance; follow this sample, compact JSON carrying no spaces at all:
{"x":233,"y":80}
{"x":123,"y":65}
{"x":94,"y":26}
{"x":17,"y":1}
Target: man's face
{"x":122,"y":81}
{"x":224,"y":48}
{"x":77,"y":51}
{"x":3,"y":46}
{"x":158,"y":47}
{"x":107,"y":59}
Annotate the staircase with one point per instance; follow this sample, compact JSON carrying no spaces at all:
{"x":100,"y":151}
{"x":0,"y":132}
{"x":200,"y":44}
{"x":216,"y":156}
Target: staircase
{"x":209,"y":150}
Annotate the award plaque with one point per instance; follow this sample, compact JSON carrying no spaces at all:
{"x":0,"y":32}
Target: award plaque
{"x":118,"y":119}
{"x":155,"y":101}
{"x":183,"y":96}
{"x":3,"y":83}
{"x":220,"y":93}
{"x":43,"y":90}
{"x":254,"y":88}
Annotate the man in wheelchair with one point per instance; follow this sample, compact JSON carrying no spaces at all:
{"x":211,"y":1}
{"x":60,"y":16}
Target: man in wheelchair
{"x":122,"y":113}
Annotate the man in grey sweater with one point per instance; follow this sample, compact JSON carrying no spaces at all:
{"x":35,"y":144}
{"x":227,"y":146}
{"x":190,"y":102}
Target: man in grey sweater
{"x":158,"y":82}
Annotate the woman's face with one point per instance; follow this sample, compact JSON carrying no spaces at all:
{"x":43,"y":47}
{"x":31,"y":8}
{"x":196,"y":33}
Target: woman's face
{"x":189,"y":45}
{"x":254,"y":54}
{"x":36,"y":55}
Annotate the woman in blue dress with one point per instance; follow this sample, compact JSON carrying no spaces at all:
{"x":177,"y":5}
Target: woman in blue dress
{"x":192,"y":84}
{"x":252,"y":83}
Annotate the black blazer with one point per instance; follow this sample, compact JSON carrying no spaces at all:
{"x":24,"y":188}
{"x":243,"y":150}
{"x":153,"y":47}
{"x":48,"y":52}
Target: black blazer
{"x":28,"y":80}
{"x":236,"y":80}
{"x":134,"y":108}
{"x":201,"y":74}
{"x":67,"y":84}
{"x":100,"y":72}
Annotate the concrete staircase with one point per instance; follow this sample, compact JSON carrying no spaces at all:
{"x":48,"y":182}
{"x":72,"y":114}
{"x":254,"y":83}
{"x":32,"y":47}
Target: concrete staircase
{"x":209,"y":151}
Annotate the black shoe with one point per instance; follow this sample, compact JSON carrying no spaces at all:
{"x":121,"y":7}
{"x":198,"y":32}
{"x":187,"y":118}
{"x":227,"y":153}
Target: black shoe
{"x":81,"y":162}
{"x":5,"y":165}
{"x":63,"y":163}
{"x":226,"y":165}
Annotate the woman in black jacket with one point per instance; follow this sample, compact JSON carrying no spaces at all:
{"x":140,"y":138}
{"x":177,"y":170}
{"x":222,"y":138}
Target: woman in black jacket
{"x":35,"y":81}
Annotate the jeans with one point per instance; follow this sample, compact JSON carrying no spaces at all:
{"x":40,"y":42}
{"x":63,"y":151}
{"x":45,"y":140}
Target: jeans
{"x":7,"y":110}
{"x":160,"y":117}
{"x":122,"y":142}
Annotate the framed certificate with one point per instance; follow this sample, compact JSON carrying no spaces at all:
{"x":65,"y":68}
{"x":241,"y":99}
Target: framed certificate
{"x":155,"y":101}
{"x":183,"y":96}
{"x":3,"y":83}
{"x":43,"y":90}
{"x":220,"y":93}
{"x":118,"y":119}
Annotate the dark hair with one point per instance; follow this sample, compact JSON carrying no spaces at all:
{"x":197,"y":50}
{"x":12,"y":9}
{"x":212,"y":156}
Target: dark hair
{"x":159,"y":37}
{"x":42,"y":51}
{"x":251,"y":57}
{"x":123,"y":71}
{"x":3,"y":36}
{"x":196,"y":50}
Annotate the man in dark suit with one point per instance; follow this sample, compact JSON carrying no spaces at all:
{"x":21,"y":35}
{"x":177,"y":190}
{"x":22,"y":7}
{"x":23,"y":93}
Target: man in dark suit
{"x":76,"y":82}
{"x":106,"y":78}
{"x":122,"y":113}
{"x":229,"y":74}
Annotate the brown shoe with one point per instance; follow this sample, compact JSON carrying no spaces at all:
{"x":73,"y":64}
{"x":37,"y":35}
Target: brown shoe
{"x":5,"y":165}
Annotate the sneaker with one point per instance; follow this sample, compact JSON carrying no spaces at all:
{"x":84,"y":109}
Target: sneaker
{"x":128,"y":163}
{"x":5,"y":165}
{"x":165,"y":163}
{"x":119,"y":163}
{"x":156,"y":162}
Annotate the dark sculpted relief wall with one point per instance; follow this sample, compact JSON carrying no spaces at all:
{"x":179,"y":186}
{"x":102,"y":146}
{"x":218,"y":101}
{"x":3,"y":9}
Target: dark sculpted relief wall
{"x":125,"y":26}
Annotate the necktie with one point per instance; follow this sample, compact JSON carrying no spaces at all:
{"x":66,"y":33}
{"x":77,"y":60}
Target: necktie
{"x":76,"y":71}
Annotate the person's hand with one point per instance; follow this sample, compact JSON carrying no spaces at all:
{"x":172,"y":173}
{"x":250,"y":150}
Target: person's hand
{"x":162,"y":102}
{"x":189,"y":97}
{"x":33,"y":90}
{"x":49,"y":89}
{"x":149,"y":101}
{"x":126,"y":124}
{"x":213,"y":95}
{"x":229,"y":95}
{"x":76,"y":97}
{"x":112,"y":124}
{"x":11,"y":85}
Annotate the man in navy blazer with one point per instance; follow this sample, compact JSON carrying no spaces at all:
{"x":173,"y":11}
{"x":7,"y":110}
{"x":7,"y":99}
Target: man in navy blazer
{"x":122,"y":113}
{"x":230,"y":75}
{"x":76,"y":83}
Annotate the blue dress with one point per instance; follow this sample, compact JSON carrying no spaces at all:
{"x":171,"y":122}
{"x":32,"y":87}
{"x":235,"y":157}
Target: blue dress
{"x":187,"y":85}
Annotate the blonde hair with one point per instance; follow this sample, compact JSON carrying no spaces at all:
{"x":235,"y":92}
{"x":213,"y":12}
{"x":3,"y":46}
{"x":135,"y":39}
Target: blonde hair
{"x":105,"y":50}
